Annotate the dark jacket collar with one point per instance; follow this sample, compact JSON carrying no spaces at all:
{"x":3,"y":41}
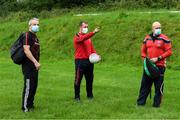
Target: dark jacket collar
{"x":154,"y":37}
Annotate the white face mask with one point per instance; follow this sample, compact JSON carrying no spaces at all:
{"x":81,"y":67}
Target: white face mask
{"x":35,"y":28}
{"x":157,"y":31}
{"x":84,"y":30}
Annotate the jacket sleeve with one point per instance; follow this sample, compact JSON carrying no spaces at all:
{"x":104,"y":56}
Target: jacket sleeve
{"x":81,"y":38}
{"x":167,"y":49}
{"x":143,"y":49}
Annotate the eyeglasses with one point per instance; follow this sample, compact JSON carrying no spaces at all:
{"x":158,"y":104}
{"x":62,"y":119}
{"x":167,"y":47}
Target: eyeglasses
{"x":158,"y":28}
{"x":36,"y":24}
{"x":85,"y":27}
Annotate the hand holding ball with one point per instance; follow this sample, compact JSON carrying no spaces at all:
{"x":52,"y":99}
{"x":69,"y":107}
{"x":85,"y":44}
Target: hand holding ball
{"x":94,"y":58}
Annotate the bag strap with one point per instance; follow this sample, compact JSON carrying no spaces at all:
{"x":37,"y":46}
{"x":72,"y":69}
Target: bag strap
{"x":145,"y":67}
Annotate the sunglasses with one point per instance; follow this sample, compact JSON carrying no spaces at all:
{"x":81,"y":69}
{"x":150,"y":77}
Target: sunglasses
{"x":158,"y":28}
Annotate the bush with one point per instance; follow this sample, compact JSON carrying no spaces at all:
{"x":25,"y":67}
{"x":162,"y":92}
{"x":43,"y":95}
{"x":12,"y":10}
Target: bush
{"x":40,"y":5}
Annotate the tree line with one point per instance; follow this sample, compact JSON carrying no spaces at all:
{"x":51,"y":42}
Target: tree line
{"x":39,"y":5}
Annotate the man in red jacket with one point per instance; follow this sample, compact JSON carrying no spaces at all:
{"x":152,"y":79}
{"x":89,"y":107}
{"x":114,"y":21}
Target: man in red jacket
{"x":83,"y":48}
{"x":157,"y":47}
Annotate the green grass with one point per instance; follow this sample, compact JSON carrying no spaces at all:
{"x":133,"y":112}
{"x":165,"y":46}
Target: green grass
{"x":117,"y":78}
{"x":121,"y":35}
{"x":115,"y":89}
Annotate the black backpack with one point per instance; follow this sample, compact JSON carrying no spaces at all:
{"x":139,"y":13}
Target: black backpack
{"x":17,"y":50}
{"x":151,"y":69}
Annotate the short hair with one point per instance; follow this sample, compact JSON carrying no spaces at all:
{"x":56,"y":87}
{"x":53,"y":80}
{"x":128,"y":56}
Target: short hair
{"x":30,"y":21}
{"x":155,"y":23}
{"x":81,"y":22}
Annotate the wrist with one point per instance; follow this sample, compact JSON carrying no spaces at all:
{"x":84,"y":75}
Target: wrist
{"x":35,"y":62}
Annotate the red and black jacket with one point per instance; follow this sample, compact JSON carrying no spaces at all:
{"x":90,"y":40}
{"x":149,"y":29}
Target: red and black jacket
{"x":155,"y":46}
{"x":83,"y":45}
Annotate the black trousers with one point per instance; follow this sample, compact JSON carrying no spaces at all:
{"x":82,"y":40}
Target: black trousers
{"x":30,"y":85}
{"x":146,"y":85}
{"x":83,"y":68}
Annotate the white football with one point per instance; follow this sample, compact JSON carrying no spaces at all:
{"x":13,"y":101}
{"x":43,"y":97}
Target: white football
{"x":94,"y":58}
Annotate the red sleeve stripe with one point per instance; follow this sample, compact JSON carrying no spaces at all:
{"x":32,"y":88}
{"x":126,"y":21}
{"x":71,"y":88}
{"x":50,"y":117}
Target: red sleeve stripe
{"x":26,"y":38}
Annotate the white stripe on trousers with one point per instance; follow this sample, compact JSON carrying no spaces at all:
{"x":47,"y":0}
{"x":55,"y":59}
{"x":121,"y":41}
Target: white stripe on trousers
{"x":26,"y":94}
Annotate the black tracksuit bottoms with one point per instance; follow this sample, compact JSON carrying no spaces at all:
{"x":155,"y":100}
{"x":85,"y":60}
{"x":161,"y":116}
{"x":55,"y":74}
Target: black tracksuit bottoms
{"x":146,"y":85}
{"x":83,"y":68}
{"x":30,"y":85}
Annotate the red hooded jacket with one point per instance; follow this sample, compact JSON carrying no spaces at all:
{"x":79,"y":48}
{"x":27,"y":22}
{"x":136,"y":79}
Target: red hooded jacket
{"x":157,"y":46}
{"x":83,"y":45}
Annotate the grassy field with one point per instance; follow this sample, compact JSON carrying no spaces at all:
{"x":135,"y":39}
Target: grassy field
{"x":115,"y":89}
{"x":117,"y":77}
{"x":121,"y":35}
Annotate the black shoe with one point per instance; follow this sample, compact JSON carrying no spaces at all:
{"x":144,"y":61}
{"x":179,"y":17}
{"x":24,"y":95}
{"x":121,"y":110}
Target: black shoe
{"x":156,"y":106}
{"x":28,"y":109}
{"x":25,"y":110}
{"x":90,"y":98}
{"x":140,"y":105}
{"x":77,"y":99}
